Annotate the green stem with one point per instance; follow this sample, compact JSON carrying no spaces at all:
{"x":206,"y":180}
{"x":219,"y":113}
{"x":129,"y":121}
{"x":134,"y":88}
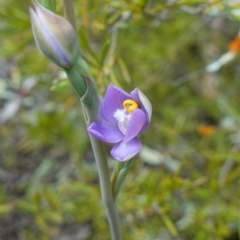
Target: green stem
{"x":69,"y":12}
{"x":76,"y":77}
{"x":76,"y":80}
{"x":90,"y":111}
{"x":73,"y":73}
{"x":114,"y":177}
{"x":107,"y":198}
{"x":119,"y":174}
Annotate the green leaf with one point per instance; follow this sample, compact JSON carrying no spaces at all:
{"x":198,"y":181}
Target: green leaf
{"x":104,"y":52}
{"x":84,"y":42}
{"x":5,"y":209}
{"x":26,"y":207}
{"x":60,"y":85}
{"x":124,"y":70}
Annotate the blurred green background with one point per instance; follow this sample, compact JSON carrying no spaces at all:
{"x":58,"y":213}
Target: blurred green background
{"x":184,"y":184}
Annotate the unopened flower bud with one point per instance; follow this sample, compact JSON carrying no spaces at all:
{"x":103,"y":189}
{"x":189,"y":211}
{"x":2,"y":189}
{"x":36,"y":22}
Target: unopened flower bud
{"x":54,"y":36}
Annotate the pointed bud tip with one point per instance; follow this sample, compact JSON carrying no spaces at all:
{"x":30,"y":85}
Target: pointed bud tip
{"x":54,"y":36}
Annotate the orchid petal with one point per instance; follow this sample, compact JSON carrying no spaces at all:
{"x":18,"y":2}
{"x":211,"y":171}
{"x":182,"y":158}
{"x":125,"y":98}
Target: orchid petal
{"x":114,"y":100}
{"x":124,"y":151}
{"x":143,"y":100}
{"x":135,"y":124}
{"x":145,"y":104}
{"x":105,"y":133}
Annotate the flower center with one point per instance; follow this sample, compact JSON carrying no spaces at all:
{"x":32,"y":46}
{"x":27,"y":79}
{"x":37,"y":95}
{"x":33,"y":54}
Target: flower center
{"x":124,"y":115}
{"x":130,"y":105}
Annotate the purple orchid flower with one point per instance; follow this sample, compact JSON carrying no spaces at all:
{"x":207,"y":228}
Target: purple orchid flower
{"x":123,"y":117}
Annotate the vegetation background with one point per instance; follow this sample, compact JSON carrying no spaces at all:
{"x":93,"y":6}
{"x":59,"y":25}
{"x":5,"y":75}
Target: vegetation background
{"x":185,"y":182}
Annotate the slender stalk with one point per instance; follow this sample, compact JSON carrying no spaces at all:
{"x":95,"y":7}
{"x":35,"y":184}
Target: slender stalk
{"x":104,"y":178}
{"x":106,"y":191}
{"x":97,"y":146}
{"x":103,"y":170}
{"x":69,"y":12}
{"x":79,"y":86}
{"x":119,"y":174}
{"x":68,"y":7}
